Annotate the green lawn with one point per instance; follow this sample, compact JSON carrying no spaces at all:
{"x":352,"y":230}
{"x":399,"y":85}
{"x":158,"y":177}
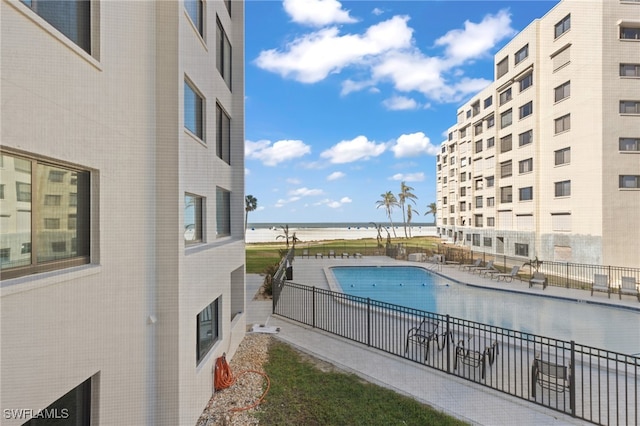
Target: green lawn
{"x":302,"y":394}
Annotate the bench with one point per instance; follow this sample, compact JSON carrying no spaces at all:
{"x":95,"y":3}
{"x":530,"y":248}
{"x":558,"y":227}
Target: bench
{"x":551,"y":376}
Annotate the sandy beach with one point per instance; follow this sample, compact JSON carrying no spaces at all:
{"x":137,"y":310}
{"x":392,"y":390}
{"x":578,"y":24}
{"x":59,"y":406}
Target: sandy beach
{"x":308,"y":234}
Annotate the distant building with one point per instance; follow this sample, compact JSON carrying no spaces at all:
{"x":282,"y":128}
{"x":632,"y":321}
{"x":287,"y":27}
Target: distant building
{"x":546,"y":160}
{"x":121,"y":207}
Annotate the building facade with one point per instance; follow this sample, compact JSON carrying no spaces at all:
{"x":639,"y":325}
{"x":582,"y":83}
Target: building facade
{"x":121,"y":207}
{"x":546,"y":160}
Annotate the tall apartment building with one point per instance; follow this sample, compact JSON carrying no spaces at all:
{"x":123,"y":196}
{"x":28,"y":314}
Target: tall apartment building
{"x":121,"y":207}
{"x":546,"y":160}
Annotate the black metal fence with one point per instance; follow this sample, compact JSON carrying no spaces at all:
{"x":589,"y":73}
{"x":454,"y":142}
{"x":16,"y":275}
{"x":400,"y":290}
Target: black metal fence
{"x":592,"y":384}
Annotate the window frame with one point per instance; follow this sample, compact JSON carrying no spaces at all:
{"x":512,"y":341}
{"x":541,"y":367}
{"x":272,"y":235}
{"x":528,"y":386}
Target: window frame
{"x":562,"y":26}
{"x":562,"y":91}
{"x":503,"y":118}
{"x":636,"y":70}
{"x":502,"y":67}
{"x":506,"y":143}
{"x":635,"y":104}
{"x":525,"y":193}
{"x":50,"y":220}
{"x":525,"y":138}
{"x":199,"y":206}
{"x":526,"y":110}
{"x":223,"y":134}
{"x":525,"y":166}
{"x":525,"y":82}
{"x":521,"y":249}
{"x":211,"y":315}
{"x":627,"y":29}
{"x":223,"y":212}
{"x":564,"y":121}
{"x":518,"y":56}
{"x":562,"y":189}
{"x":506,"y":194}
{"x":562,"y":156}
{"x":197,"y":21}
{"x":224,"y":54}
{"x":623,"y":178}
{"x":191,"y":93}
{"x":506,"y":169}
{"x":634,"y":142}
{"x":505,"y":96}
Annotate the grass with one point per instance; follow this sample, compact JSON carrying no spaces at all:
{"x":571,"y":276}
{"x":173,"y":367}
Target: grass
{"x":303,"y":394}
{"x":261,"y":255}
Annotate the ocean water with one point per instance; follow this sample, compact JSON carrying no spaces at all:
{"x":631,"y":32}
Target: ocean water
{"x":415,"y":287}
{"x":347,"y":225}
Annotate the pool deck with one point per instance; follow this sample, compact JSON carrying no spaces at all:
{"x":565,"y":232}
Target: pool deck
{"x":463,"y":399}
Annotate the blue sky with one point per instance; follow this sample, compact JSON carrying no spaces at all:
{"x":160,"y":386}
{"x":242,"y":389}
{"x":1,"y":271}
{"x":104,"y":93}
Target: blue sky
{"x":345,"y":100}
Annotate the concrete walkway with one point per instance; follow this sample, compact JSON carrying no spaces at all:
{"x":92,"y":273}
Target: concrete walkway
{"x":462,"y":399}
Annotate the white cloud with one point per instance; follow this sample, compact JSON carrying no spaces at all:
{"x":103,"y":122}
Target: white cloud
{"x":408,"y":177}
{"x":272,"y":155}
{"x":312,"y":57}
{"x":377,"y":11}
{"x":317,"y":13}
{"x":345,"y":200}
{"x":333,"y":203}
{"x":305,"y":192}
{"x":413,"y":145}
{"x":294,"y":181}
{"x":247,"y":171}
{"x":356,"y":149}
{"x":476,"y":40}
{"x":335,"y":176}
{"x":398,"y":103}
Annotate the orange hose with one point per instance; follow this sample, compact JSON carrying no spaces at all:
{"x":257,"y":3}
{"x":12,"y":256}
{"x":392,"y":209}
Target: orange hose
{"x":223,"y":378}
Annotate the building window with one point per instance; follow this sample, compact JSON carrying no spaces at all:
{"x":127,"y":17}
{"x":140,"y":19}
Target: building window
{"x":193,"y":219}
{"x":629,"y":70}
{"x":223,"y":212}
{"x":629,"y":107}
{"x":71,"y":17}
{"x":630,"y":181}
{"x":463,"y":177}
{"x":478,"y":202}
{"x":561,"y":58}
{"x":491,"y":201}
{"x":505,"y":96}
{"x":227,"y":3}
{"x":505,"y":119}
{"x":223,"y":54}
{"x":563,"y":91}
{"x":522,"y":249}
{"x":525,"y":194}
{"x":491,"y":142}
{"x":74,"y":407}
{"x":526,"y":109}
{"x":1,"y":191}
{"x":562,"y":124}
{"x":60,"y":235}
{"x":477,"y":129}
{"x":444,"y":200}
{"x":487,"y":240}
{"x":463,"y":206}
{"x":223,"y":135}
{"x":629,"y":33}
{"x":193,"y":110}
{"x":562,"y":156}
{"x":505,"y":169}
{"x":194,"y":9}
{"x":563,"y":189}
{"x":463,"y":191}
{"x":463,"y":133}
{"x":477,"y":221}
{"x":525,"y":166}
{"x":468,"y":113}
{"x":502,"y":67}
{"x":521,"y":54}
{"x":491,"y":121}
{"x":506,"y":144}
{"x":526,"y":82}
{"x":478,"y":146}
{"x":207,"y":329}
{"x":476,"y":108}
{"x":491,"y":221}
{"x":490,"y":181}
{"x":506,"y":194}
{"x":629,"y":144}
{"x":476,"y":238}
{"x":563,"y":26}
{"x":525,"y":138}
{"x":488,"y":102}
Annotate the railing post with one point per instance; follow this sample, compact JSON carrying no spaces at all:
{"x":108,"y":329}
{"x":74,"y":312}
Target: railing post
{"x":567,"y":282}
{"x":446,"y":336}
{"x":368,"y":321}
{"x":572,"y":380}
{"x":313,"y":307}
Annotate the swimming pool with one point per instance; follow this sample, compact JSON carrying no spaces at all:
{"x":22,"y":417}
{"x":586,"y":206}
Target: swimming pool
{"x":589,"y":324}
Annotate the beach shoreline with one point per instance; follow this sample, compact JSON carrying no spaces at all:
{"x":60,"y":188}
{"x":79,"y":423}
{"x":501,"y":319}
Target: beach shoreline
{"x":307,"y":234}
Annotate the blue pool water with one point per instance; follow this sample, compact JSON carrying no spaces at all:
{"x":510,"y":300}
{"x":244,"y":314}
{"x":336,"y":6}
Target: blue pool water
{"x":588,"y":324}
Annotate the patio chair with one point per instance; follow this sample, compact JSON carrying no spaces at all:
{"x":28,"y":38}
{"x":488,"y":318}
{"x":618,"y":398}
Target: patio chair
{"x":475,"y":264}
{"x":601,"y":283}
{"x":538,"y":278}
{"x":332,"y":253}
{"x":552,"y":376}
{"x":628,"y":286}
{"x":305,"y":252}
{"x":486,"y":269}
{"x":507,"y":277}
{"x":319,"y":255}
{"x":475,"y":269}
{"x":423,"y":334}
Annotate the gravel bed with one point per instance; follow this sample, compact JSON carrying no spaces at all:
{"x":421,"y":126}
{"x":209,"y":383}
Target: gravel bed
{"x":226,"y":407}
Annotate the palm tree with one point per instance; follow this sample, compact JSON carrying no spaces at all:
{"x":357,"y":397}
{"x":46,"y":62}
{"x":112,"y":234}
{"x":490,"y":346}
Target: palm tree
{"x":379,"y":229}
{"x":389,"y":201}
{"x":285,"y":234}
{"x":250,"y":204}
{"x":403,"y":197}
{"x":433,"y":209}
{"x":410,"y":213}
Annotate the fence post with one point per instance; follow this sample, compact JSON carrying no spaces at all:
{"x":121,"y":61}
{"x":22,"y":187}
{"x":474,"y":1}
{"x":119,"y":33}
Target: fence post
{"x":567,"y":285}
{"x":572,"y":380}
{"x":313,"y":307}
{"x":368,"y":321}
{"x":446,"y":337}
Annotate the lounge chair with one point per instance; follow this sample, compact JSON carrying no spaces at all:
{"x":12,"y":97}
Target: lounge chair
{"x":305,"y":252}
{"x":475,"y":264}
{"x":345,"y":255}
{"x":601,"y":283}
{"x":507,"y":277}
{"x":319,"y":255}
{"x":475,"y":269}
{"x":332,"y":253}
{"x":538,"y":278}
{"x":628,"y":286}
{"x":488,"y":268}
{"x":423,"y":335}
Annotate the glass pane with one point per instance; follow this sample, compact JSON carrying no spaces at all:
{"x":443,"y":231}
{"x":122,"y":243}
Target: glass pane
{"x":223,"y":212}
{"x":15,"y":213}
{"x":63,"y":226}
{"x":192,"y":218}
{"x":192,"y":111}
